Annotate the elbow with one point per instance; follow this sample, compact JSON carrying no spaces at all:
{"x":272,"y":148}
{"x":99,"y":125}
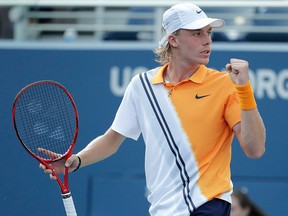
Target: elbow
{"x":254,"y":148}
{"x":255,"y":153}
{"x":114,"y":149}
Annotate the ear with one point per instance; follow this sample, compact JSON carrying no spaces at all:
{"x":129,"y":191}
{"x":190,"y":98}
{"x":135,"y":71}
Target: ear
{"x":172,"y":40}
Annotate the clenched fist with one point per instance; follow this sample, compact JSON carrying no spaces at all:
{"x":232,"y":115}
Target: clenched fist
{"x":239,"y":71}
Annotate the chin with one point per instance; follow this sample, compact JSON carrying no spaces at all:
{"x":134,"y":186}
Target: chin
{"x":204,"y":62}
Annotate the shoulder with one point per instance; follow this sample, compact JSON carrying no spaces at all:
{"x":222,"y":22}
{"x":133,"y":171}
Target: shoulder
{"x":220,"y":80}
{"x":214,"y":72}
{"x":137,"y":81}
{"x":219,"y":76}
{"x":149,"y":74}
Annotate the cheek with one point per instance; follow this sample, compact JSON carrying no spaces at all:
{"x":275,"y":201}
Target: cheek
{"x":189,"y":49}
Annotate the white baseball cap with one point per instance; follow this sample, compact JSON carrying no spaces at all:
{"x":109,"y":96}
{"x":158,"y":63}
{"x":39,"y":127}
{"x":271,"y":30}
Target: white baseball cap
{"x":186,"y":16}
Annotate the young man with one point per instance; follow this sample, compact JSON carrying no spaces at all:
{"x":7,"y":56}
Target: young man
{"x":187,"y":115}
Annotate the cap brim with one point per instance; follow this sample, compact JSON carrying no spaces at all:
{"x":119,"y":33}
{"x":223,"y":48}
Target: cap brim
{"x":201,"y":23}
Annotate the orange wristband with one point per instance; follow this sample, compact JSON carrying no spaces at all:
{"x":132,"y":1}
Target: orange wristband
{"x":246,"y":96}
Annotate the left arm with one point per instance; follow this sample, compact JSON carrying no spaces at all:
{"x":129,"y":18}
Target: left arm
{"x":251,"y":130}
{"x":250,"y":133}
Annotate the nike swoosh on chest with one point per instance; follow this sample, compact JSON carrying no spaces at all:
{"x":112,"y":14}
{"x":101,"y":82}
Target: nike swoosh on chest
{"x":197,"y":96}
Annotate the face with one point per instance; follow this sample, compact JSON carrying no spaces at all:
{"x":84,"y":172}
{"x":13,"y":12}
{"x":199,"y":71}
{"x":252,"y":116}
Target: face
{"x":193,"y":46}
{"x":237,"y":209}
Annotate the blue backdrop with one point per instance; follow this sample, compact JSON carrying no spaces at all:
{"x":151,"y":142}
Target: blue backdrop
{"x":97,"y":77}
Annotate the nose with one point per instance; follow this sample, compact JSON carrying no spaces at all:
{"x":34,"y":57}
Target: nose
{"x":207,"y":40}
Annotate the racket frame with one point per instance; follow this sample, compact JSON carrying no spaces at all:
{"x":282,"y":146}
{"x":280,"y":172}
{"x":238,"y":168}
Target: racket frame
{"x":64,"y":186}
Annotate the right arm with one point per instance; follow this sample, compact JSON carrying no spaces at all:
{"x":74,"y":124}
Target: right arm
{"x":106,"y":144}
{"x":98,"y":149}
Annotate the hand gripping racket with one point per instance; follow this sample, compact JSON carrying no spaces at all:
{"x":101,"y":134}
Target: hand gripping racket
{"x":45,"y":117}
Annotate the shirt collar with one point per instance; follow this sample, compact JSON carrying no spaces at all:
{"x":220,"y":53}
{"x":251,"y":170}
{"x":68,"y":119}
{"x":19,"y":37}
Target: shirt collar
{"x":197,"y":77}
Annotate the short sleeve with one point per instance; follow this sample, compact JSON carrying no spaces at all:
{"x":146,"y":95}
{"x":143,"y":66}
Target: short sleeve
{"x":126,"y":119}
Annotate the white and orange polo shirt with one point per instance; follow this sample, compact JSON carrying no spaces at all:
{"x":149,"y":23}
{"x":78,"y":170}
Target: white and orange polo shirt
{"x":187,"y":130}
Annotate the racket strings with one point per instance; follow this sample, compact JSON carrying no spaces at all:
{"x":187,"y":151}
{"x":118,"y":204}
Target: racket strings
{"x":45,"y":118}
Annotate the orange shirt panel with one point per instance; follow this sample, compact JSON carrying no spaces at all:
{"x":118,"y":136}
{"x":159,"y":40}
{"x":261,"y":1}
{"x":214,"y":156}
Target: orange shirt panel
{"x":208,"y":107}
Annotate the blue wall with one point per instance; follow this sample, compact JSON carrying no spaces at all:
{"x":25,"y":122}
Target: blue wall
{"x":97,"y":77}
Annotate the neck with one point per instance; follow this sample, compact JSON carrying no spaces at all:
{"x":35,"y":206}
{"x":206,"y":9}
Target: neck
{"x":177,"y":74}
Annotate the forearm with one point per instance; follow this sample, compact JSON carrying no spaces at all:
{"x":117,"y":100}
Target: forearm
{"x":253,"y":133}
{"x":100,"y":148}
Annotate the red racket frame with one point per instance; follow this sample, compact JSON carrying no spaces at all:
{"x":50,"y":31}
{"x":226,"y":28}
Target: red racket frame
{"x":64,"y":186}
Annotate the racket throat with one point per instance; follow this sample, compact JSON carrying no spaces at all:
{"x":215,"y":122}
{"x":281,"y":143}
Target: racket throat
{"x":66,"y":195}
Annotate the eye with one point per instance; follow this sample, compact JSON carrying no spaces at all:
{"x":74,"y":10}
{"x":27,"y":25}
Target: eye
{"x":197,"y":34}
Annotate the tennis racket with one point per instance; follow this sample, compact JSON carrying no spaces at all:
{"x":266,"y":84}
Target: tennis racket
{"x":45,"y":117}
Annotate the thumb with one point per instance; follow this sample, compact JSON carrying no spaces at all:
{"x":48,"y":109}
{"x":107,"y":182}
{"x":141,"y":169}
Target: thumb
{"x":70,"y":161}
{"x":229,"y":67}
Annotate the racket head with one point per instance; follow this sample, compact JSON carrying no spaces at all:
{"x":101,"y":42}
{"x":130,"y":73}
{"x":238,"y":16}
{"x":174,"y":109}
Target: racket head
{"x":45,"y":116}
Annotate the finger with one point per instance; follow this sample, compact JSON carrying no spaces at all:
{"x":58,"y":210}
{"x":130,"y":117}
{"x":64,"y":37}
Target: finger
{"x":51,"y":154}
{"x":228,"y":67}
{"x":48,"y":171}
{"x":45,"y":169}
{"x":233,"y":68}
{"x":235,"y":60}
{"x":52,"y":177}
{"x":236,"y":68}
{"x":42,"y":166}
{"x":239,"y":63}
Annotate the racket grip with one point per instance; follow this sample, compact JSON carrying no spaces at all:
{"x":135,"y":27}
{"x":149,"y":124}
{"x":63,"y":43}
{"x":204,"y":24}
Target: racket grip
{"x":69,"y":204}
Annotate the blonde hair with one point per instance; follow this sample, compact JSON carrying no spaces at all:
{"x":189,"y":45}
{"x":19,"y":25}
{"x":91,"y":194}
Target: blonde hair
{"x":163,"y":53}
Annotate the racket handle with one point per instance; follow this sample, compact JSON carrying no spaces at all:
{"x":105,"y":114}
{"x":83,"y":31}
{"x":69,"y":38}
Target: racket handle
{"x":69,"y":204}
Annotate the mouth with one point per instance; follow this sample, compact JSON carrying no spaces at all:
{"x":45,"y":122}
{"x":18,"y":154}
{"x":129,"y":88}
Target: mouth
{"x":207,"y":52}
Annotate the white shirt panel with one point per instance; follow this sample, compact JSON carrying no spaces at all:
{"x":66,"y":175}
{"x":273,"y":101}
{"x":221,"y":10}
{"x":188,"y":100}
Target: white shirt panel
{"x":169,"y":160}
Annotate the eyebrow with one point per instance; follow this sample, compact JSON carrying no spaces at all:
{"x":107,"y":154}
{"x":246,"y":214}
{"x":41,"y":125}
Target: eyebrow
{"x":202,"y":29}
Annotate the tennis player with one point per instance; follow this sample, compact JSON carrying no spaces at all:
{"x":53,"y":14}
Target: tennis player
{"x":188,"y":115}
